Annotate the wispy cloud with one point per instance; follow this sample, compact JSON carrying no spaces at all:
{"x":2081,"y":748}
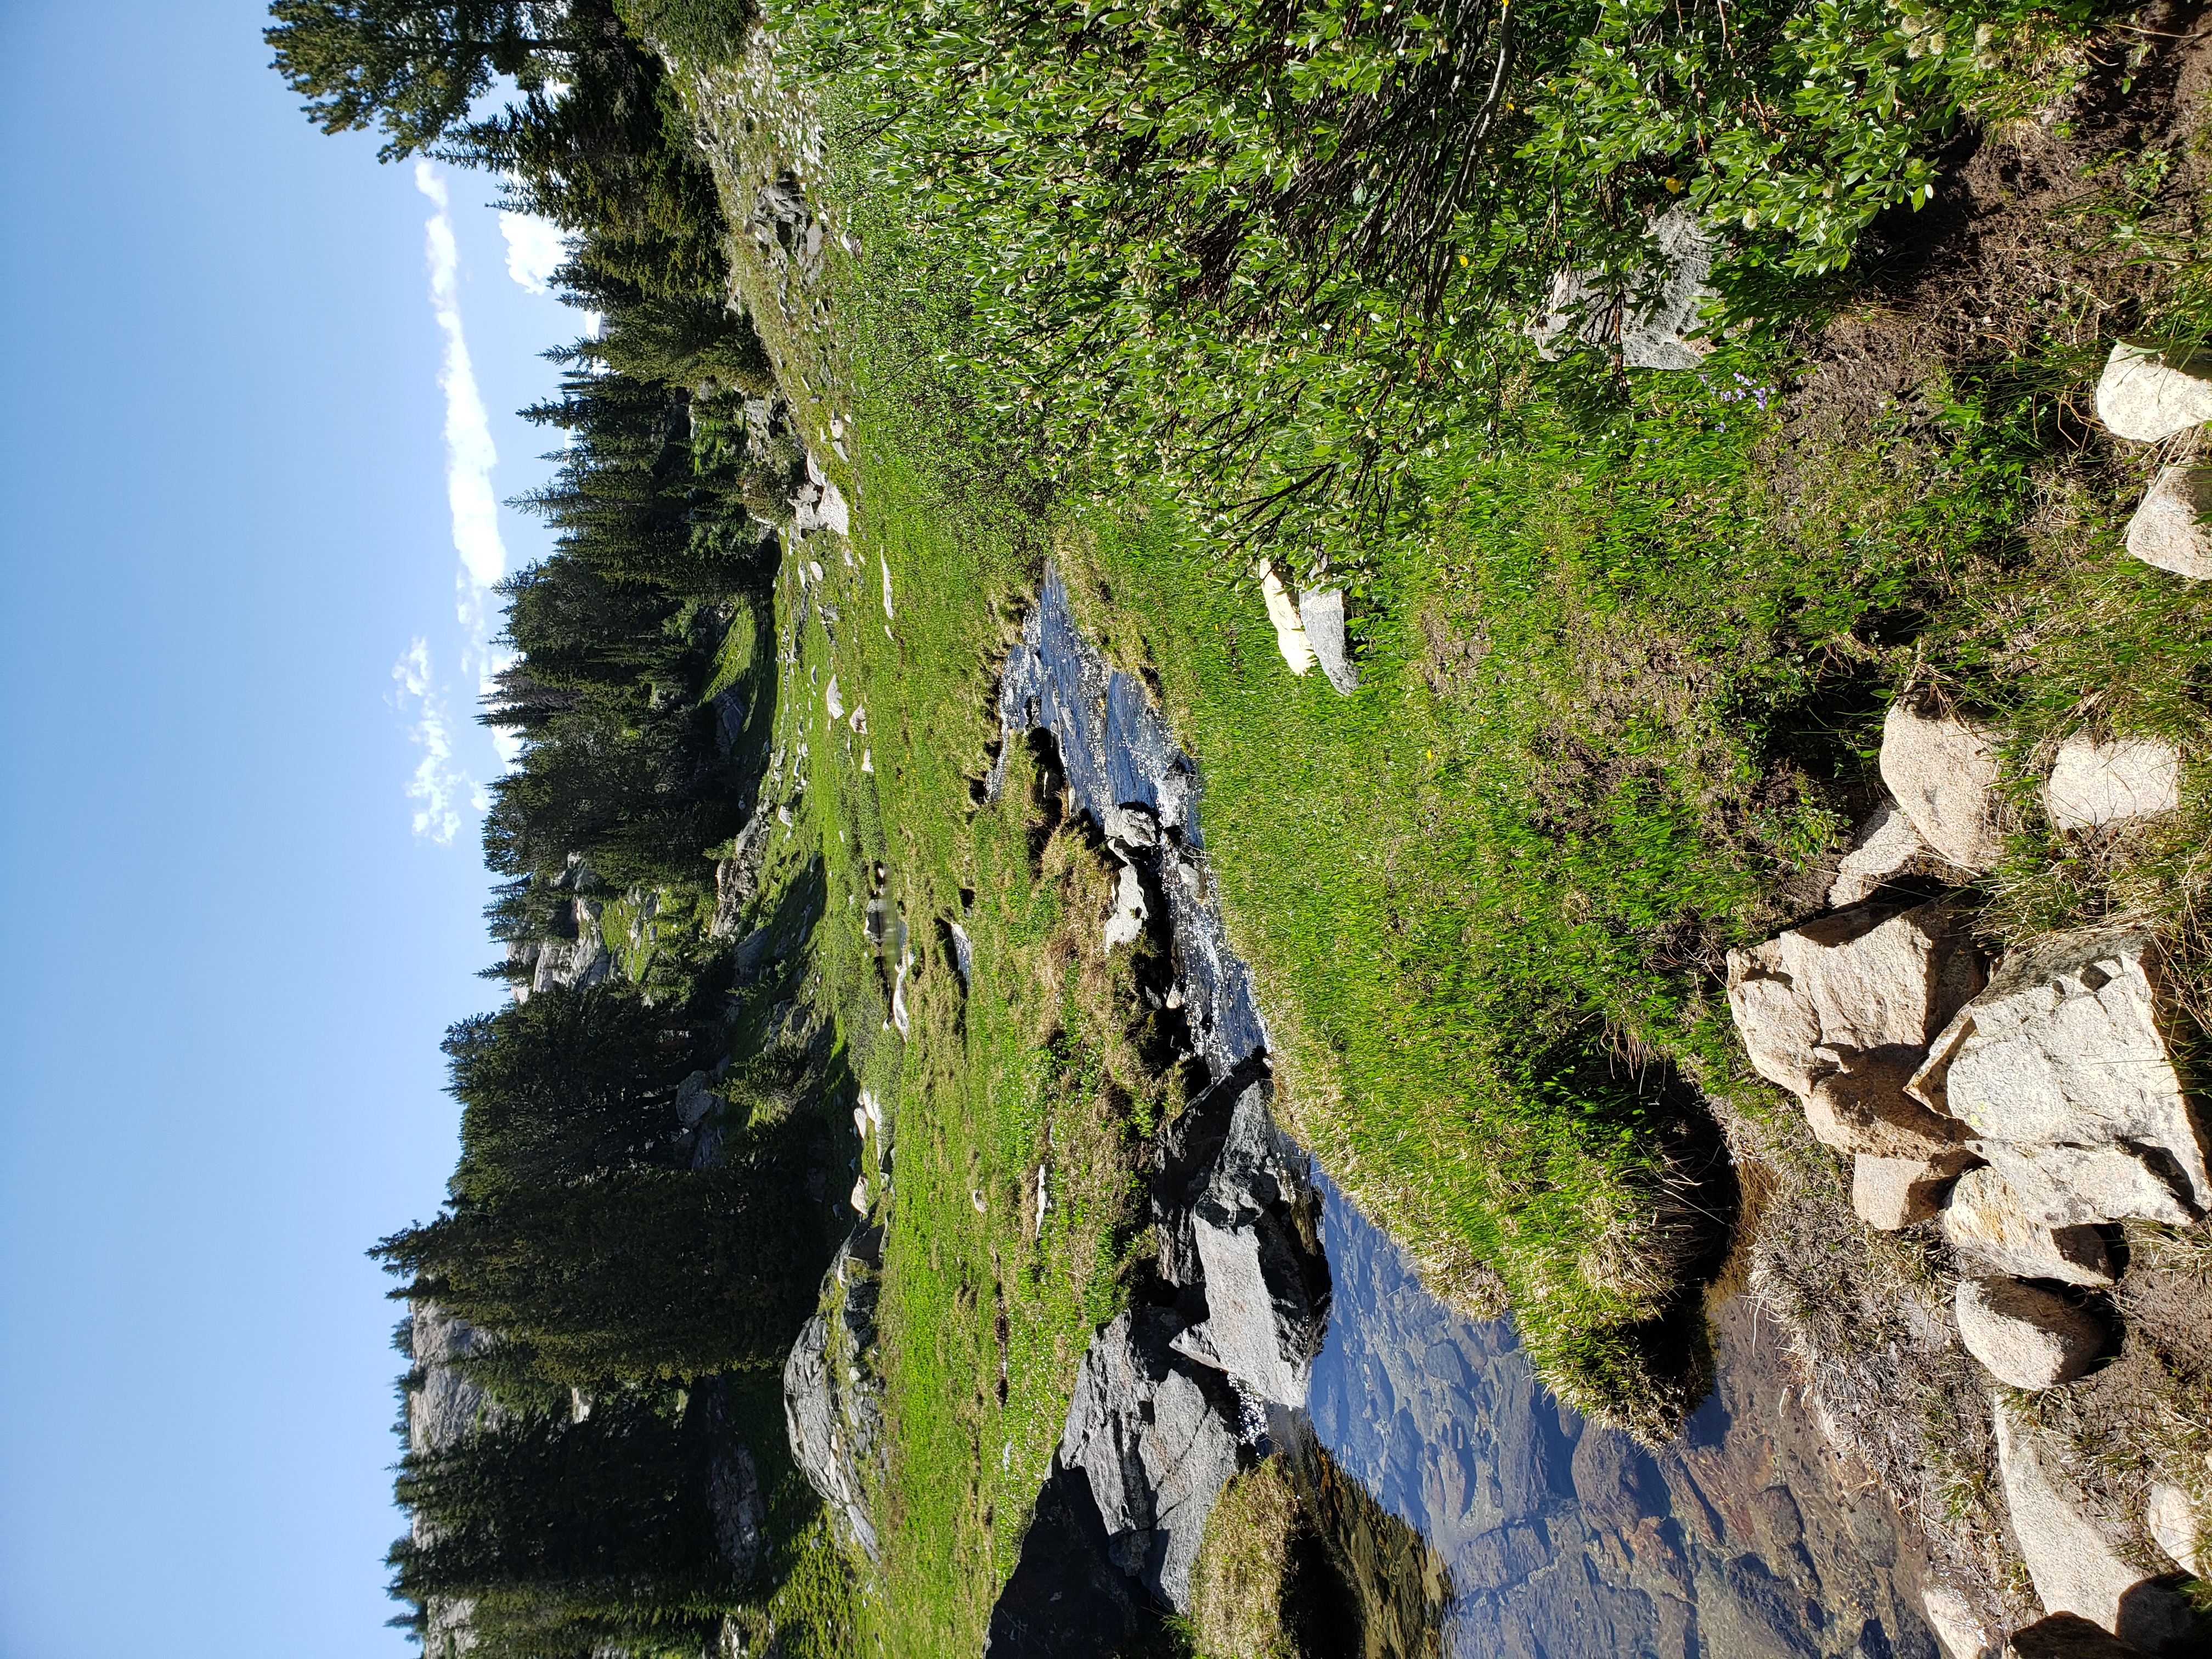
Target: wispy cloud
{"x":535,"y":250}
{"x":469,"y":456}
{"x":438,"y":782}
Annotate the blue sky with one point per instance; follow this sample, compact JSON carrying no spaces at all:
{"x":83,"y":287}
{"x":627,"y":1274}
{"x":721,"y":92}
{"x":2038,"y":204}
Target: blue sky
{"x":225,"y":522}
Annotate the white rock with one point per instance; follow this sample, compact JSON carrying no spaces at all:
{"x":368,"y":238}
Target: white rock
{"x":1868,"y":983}
{"x":2147,"y":394}
{"x":1888,"y":845}
{"x":859,"y":1200}
{"x":2076,"y":1568}
{"x":1953,"y":1621}
{"x":2024,"y":1337}
{"x":1892,"y":1193}
{"x":886,"y":564}
{"x":834,"y":703}
{"x":1321,"y":613}
{"x":2094,"y":783}
{"x":2077,"y":1186}
{"x":2169,"y":529}
{"x":1289,"y":632}
{"x":2064,"y":1049}
{"x":1944,"y":773}
{"x":1983,"y":1221}
{"x":1128,"y":921}
{"x":2173,"y":1523}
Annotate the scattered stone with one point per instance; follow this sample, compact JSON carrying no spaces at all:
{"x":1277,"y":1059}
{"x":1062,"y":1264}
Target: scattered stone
{"x":1154,"y":1432}
{"x":1888,"y":847}
{"x":977,"y":1199}
{"x":2067,"y":1636}
{"x":834,"y":703}
{"x":963,"y":953}
{"x":859,"y":1200}
{"x":1943,"y":772}
{"x":1859,"y":991}
{"x":1959,"y":1632}
{"x":2077,"y":1186}
{"x":1289,"y":632}
{"x":1322,"y":613}
{"x":1651,"y":330}
{"x":886,"y":564}
{"x":2076,"y":1568}
{"x":2095,"y":783}
{"x":1892,"y":1193}
{"x":2169,"y":529}
{"x":2173,"y":1523}
{"x":2064,"y":1049}
{"x":2024,"y":1337}
{"x":1982,"y":1219}
{"x":2146,"y":394}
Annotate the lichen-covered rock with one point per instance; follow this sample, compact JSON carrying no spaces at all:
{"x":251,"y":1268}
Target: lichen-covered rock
{"x":1943,"y":772}
{"x":1891,"y":1193}
{"x":2095,"y":782}
{"x":2064,"y":1047}
{"x":1983,"y":1221}
{"x":2173,"y":1523}
{"x":1859,"y":992}
{"x":2076,"y":1567}
{"x":2147,"y":394}
{"x":2024,"y":1337}
{"x":1886,"y":847}
{"x":2169,"y":529}
{"x":1321,"y":611}
{"x":1154,"y":1432}
{"x":2078,"y":1186}
{"x":1862,"y":1108}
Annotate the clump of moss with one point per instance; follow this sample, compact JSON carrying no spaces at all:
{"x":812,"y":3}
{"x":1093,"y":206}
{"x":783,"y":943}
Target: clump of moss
{"x":1243,"y":1586}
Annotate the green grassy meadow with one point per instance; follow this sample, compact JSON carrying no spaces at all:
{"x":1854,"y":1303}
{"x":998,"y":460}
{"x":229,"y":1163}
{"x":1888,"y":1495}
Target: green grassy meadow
{"x":1624,"y":659}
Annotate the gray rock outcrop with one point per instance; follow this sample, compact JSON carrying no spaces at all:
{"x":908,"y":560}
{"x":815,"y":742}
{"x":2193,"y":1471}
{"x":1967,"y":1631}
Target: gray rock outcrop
{"x":2169,"y":529}
{"x":1237,"y":1216}
{"x":2096,"y":781}
{"x":1840,"y":1011}
{"x":2076,"y":1567}
{"x":832,"y":1411}
{"x":1649,"y":316}
{"x":1154,"y":1433}
{"x":2024,"y":1337}
{"x":1943,"y":772}
{"x":2175,"y":1526}
{"x":2064,"y":1049}
{"x":1983,"y":1221}
{"x":1321,"y":611}
{"x":2146,"y":394}
{"x":442,"y":1403}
